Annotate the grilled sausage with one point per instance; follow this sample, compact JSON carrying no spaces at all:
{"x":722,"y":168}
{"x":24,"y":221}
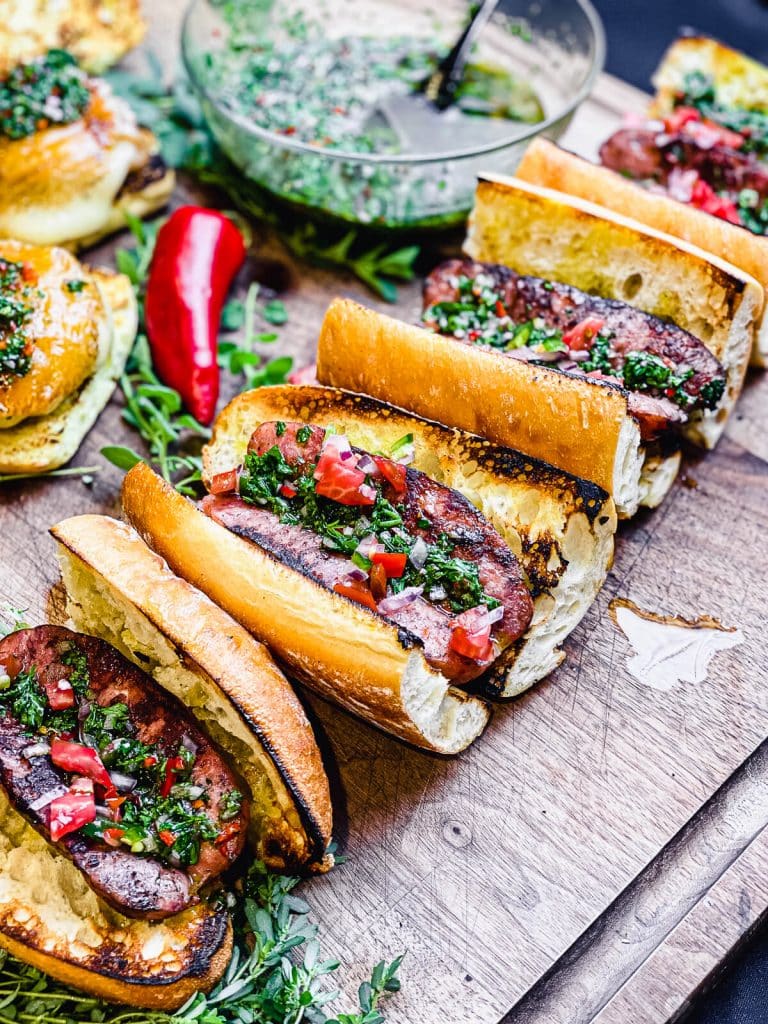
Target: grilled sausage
{"x":447,"y":511}
{"x":562,"y":306}
{"x":132,"y":883}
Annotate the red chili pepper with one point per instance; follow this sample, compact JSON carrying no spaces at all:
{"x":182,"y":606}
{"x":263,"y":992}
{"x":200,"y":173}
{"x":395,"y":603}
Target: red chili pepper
{"x":392,"y":562}
{"x":197,"y":254}
{"x":150,"y":761}
{"x":172,"y":766}
{"x":287,"y":490}
{"x":500,"y":308}
{"x":228,"y":832}
{"x":167,"y":837}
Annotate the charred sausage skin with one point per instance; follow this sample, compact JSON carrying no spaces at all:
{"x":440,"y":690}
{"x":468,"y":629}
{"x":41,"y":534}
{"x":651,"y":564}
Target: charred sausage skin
{"x":136,"y":885}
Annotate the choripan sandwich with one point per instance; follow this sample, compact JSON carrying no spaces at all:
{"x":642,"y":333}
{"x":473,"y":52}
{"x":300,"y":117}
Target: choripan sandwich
{"x":73,"y":160}
{"x":569,"y":334}
{"x":65,"y":334}
{"x":697,"y":168}
{"x":146,"y":749}
{"x":388,"y":561}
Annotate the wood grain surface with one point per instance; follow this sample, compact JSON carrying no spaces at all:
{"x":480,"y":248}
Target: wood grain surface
{"x":508,"y":873}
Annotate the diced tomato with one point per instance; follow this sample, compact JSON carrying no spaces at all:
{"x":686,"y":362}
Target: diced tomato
{"x":224,"y":483}
{"x":378,"y":579}
{"x":70,"y":812}
{"x":74,"y":757}
{"x":707,"y":134}
{"x":394,"y":473}
{"x":393,"y":562}
{"x":173,"y":766}
{"x":583,"y":334}
{"x":228,"y":832}
{"x":150,"y":761}
{"x":500,"y":308}
{"x":115,"y":803}
{"x":471,"y":635}
{"x":705,"y":198}
{"x":343,"y":483}
{"x":287,"y":490}
{"x":167,"y":837}
{"x":60,"y":695}
{"x":112,"y":836}
{"x":356,"y":592}
{"x":680,"y":117}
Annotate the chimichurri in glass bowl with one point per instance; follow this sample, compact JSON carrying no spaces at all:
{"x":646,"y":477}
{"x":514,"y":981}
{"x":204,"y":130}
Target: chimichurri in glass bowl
{"x":305,"y":97}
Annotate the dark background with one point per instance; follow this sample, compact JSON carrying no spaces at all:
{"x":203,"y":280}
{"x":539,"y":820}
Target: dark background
{"x":638,"y":32}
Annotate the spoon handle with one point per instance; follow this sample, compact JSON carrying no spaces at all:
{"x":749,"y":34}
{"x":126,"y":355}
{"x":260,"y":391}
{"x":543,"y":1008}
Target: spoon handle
{"x":441,"y":86}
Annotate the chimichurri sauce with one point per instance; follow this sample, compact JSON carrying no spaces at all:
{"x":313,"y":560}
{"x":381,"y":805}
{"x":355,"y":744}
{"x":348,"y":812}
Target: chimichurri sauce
{"x":323,"y":92}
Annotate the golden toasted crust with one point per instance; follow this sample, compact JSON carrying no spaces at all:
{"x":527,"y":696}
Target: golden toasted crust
{"x":62,"y":185}
{"x":560,"y":527}
{"x":739,"y":80}
{"x":39,"y":444}
{"x":548,"y":165}
{"x":69,"y":331}
{"x":577,"y":425}
{"x":327,"y":641}
{"x":52,"y":919}
{"x":260,"y":723}
{"x":97,"y":32}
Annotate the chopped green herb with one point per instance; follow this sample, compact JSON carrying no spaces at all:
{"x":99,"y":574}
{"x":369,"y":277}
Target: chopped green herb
{"x":274,"y":312}
{"x":230,"y":804}
{"x":75,"y":286}
{"x":15,"y":346}
{"x":26,"y":700}
{"x":303,"y":434}
{"x":46,"y":91}
{"x":279,"y":428}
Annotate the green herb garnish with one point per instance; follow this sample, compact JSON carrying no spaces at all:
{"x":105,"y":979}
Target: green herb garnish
{"x":47,"y":91}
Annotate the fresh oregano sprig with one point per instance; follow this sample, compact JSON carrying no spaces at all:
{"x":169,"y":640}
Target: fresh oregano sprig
{"x":276,"y":975}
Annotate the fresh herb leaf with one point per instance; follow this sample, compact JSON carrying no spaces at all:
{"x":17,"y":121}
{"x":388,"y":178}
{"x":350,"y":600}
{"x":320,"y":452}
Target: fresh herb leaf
{"x":274,"y":312}
{"x":86,"y":472}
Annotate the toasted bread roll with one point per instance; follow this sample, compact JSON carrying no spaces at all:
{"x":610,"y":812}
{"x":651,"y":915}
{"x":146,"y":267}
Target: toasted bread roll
{"x":539,"y":231}
{"x":52,"y":919}
{"x":545,"y":164}
{"x":80,"y":343}
{"x":581,"y":426}
{"x":97,"y":32}
{"x":72,"y":184}
{"x":560,"y":528}
{"x":119,"y":590}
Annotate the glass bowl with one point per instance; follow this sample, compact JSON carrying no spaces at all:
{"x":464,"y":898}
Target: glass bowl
{"x":557,"y":46}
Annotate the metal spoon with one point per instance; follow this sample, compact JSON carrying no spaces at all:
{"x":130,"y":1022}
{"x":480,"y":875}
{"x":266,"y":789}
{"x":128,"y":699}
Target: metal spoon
{"x":426,"y":118}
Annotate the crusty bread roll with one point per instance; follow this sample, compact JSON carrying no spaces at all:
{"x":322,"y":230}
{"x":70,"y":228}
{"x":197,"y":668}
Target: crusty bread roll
{"x":560,"y":528}
{"x":43,"y":442}
{"x":579,"y":425}
{"x":547,"y":165}
{"x":50,"y":917}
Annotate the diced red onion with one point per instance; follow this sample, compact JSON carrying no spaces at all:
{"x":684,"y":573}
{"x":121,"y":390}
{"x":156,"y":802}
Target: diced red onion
{"x":568,"y":364}
{"x":496,"y":614}
{"x":438,"y":594}
{"x":368,"y":492}
{"x":680,"y":183}
{"x":122,"y":782}
{"x":393,"y":604}
{"x":337,"y":441}
{"x":525,"y":355}
{"x":36,"y":750}
{"x":47,"y":798}
{"x":580,"y":355}
{"x":418,"y":553}
{"x":406,"y":455}
{"x":83,"y":711}
{"x":188,"y":744}
{"x":102,"y":811}
{"x":367,"y":546}
{"x":345,"y":455}
{"x":549,"y":357}
{"x":366,"y":465}
{"x":355,"y":575}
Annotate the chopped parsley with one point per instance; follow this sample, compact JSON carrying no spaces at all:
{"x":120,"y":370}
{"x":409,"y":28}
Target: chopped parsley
{"x":79,"y":677}
{"x":447,"y":577}
{"x":643,"y":371}
{"x":230,"y":804}
{"x":600,"y":357}
{"x":75,"y":286}
{"x":699,"y":91}
{"x":753,"y":211}
{"x":25,"y":700}
{"x":15,"y":346}
{"x":47,"y":91}
{"x":303,"y":434}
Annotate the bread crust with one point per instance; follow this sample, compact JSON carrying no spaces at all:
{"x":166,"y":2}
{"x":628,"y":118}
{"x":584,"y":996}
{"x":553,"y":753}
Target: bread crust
{"x":547,"y":165}
{"x":297,"y":619}
{"x":579,"y":425}
{"x":232,"y":662}
{"x":52,"y":919}
{"x":560,"y":527}
{"x":43,"y":443}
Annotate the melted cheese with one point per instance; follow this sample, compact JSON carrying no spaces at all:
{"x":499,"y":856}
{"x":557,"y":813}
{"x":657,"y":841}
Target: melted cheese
{"x":71,"y":333}
{"x":60,"y":184}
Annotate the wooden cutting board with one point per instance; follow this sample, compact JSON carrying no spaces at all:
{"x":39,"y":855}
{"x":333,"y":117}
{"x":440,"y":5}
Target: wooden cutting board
{"x":598,"y":852}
